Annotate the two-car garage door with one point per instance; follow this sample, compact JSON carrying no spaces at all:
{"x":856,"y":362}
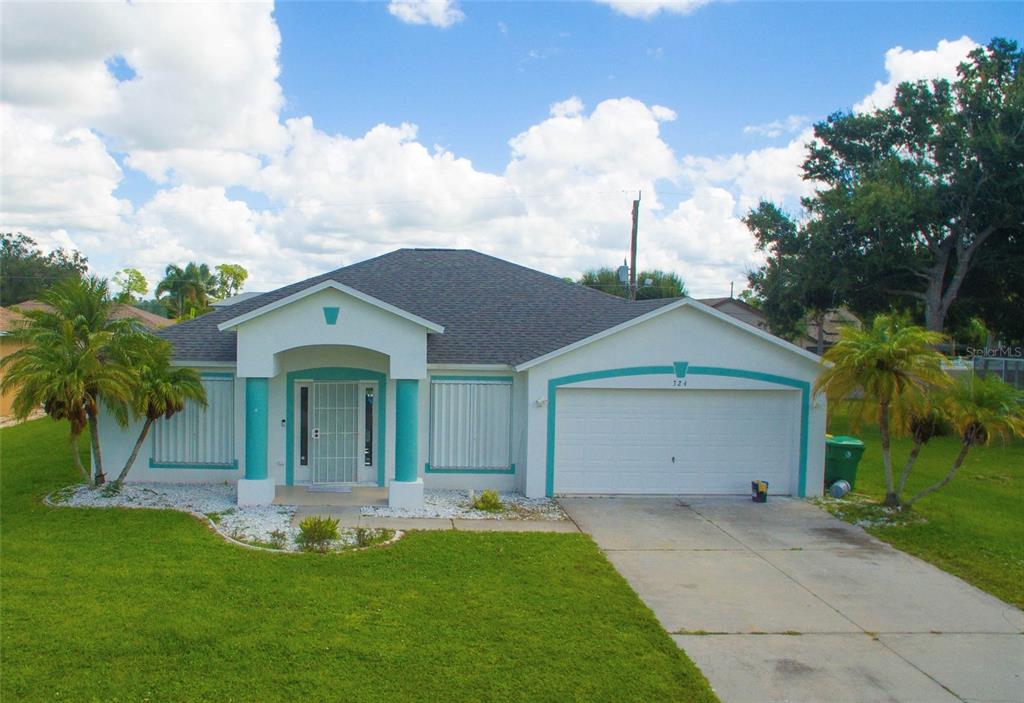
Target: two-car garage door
{"x":675,"y":441}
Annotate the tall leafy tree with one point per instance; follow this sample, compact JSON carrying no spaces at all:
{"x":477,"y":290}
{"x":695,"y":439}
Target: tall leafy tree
{"x":187,"y":292}
{"x":230,"y":279}
{"x":661,"y":284}
{"x":924,"y":187}
{"x":158,"y":390}
{"x":25,"y":271}
{"x":890,"y":368}
{"x":68,"y":363}
{"x":132,"y":285}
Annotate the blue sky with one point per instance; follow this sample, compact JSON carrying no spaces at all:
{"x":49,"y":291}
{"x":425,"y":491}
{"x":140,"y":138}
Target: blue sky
{"x":471,"y":86}
{"x":299,"y":137}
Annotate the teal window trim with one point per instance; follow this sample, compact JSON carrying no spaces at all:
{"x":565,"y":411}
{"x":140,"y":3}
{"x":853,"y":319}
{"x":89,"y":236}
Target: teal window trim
{"x":430,"y":470}
{"x":510,"y":469}
{"x":680,"y":369}
{"x":233,"y":466}
{"x":340,"y":373}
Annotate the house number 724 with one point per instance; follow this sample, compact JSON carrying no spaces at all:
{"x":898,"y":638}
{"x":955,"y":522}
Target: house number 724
{"x":678,"y":382}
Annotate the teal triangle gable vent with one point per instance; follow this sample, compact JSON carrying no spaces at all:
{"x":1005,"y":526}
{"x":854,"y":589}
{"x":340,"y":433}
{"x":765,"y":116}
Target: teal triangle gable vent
{"x":331,"y":315}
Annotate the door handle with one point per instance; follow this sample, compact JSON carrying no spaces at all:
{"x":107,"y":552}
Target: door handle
{"x":316,"y":433}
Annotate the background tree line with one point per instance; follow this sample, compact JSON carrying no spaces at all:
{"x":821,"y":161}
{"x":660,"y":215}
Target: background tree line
{"x":184,"y":292}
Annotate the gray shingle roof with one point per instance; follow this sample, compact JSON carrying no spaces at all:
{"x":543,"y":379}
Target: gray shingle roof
{"x":493,"y":311}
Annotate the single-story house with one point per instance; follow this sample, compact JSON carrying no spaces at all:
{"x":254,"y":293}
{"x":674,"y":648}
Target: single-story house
{"x":453,"y":369}
{"x":734,"y":307}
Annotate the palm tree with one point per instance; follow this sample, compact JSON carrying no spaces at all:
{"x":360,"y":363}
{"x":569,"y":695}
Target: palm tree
{"x":979,"y":409}
{"x":68,"y":362}
{"x":188,"y":289}
{"x":889,"y":368}
{"x":160,"y":390}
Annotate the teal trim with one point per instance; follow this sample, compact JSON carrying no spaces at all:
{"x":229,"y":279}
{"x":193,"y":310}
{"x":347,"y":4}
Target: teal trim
{"x":680,"y":367}
{"x":233,"y":466}
{"x":502,"y":379}
{"x":429,"y":470}
{"x":803,"y":386}
{"x":407,"y":401}
{"x":256,"y":401}
{"x":331,"y":315}
{"x":335,"y":374}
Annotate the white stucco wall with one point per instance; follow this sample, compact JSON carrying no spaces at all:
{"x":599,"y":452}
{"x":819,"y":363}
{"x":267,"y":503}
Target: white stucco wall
{"x":302,"y":324}
{"x":681,"y":335}
{"x":117,"y":442}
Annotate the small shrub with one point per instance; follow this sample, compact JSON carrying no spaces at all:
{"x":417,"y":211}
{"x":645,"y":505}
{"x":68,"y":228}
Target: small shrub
{"x":111,"y":489}
{"x":367,"y":537}
{"x":316,"y":533}
{"x":278,"y":539}
{"x":488,"y":501}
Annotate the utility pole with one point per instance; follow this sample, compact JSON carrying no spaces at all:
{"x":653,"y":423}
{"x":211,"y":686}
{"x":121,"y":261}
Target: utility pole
{"x":632,"y":247}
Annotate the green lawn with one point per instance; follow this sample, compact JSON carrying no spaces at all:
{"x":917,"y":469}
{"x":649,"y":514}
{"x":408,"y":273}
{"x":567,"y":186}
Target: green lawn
{"x":121,"y":605}
{"x":974,"y":527}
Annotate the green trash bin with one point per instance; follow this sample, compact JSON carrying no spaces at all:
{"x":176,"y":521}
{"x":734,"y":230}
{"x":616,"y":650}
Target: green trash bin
{"x":842,"y":454}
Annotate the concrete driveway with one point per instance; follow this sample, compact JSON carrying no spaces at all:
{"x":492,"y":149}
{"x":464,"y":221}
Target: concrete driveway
{"x":782,"y":602}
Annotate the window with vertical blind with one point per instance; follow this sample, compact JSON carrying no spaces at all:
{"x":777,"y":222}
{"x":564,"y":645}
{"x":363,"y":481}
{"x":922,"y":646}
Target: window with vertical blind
{"x":197,"y":436}
{"x":470,"y":424}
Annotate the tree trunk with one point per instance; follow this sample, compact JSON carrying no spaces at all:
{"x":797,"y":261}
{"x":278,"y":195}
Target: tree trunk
{"x":906,"y":471}
{"x":964,"y":448}
{"x":934,"y":312}
{"x":97,"y":458}
{"x":891,"y":499}
{"x":821,"y":334}
{"x":77,"y":457}
{"x":135,"y":452}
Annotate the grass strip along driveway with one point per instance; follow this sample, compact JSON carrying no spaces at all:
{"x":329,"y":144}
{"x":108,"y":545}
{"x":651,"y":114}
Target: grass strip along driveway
{"x":973,"y":527}
{"x":151,"y":605}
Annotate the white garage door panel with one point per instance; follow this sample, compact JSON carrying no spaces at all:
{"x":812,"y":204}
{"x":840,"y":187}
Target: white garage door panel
{"x":675,"y":441}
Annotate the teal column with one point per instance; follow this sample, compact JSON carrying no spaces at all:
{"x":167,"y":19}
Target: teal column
{"x":257,"y":391}
{"x":407,"y":403}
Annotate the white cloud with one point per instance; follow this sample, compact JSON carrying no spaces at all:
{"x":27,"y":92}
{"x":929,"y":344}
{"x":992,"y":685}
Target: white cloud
{"x":646,"y":9}
{"x":906,"y":65}
{"x":437,"y":13}
{"x":777,"y":128}
{"x":202,"y":114}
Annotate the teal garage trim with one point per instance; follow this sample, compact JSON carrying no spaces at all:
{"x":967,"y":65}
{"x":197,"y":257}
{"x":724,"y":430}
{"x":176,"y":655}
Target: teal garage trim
{"x":256,"y":402}
{"x":407,"y":400}
{"x":334,"y":374}
{"x":679,"y":369}
{"x":331,"y":315}
{"x":478,"y":472}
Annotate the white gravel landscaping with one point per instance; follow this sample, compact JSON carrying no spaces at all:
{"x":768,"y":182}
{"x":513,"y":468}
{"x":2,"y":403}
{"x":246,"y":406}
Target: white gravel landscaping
{"x":266,"y":526}
{"x":447,"y":504}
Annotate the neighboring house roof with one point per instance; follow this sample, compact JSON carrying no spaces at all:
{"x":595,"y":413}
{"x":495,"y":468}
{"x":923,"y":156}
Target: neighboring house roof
{"x":121,"y":311}
{"x":9,"y":319}
{"x":234,"y":299}
{"x":492,"y":311}
{"x":742,"y":311}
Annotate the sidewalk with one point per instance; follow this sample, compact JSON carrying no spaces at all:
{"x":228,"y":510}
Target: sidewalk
{"x":348,"y":516}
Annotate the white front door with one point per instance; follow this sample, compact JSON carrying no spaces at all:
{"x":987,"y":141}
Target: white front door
{"x":334,"y":432}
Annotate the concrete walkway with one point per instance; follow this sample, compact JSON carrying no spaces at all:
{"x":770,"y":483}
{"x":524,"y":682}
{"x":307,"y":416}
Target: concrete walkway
{"x":782,"y":602}
{"x":349,"y":516}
